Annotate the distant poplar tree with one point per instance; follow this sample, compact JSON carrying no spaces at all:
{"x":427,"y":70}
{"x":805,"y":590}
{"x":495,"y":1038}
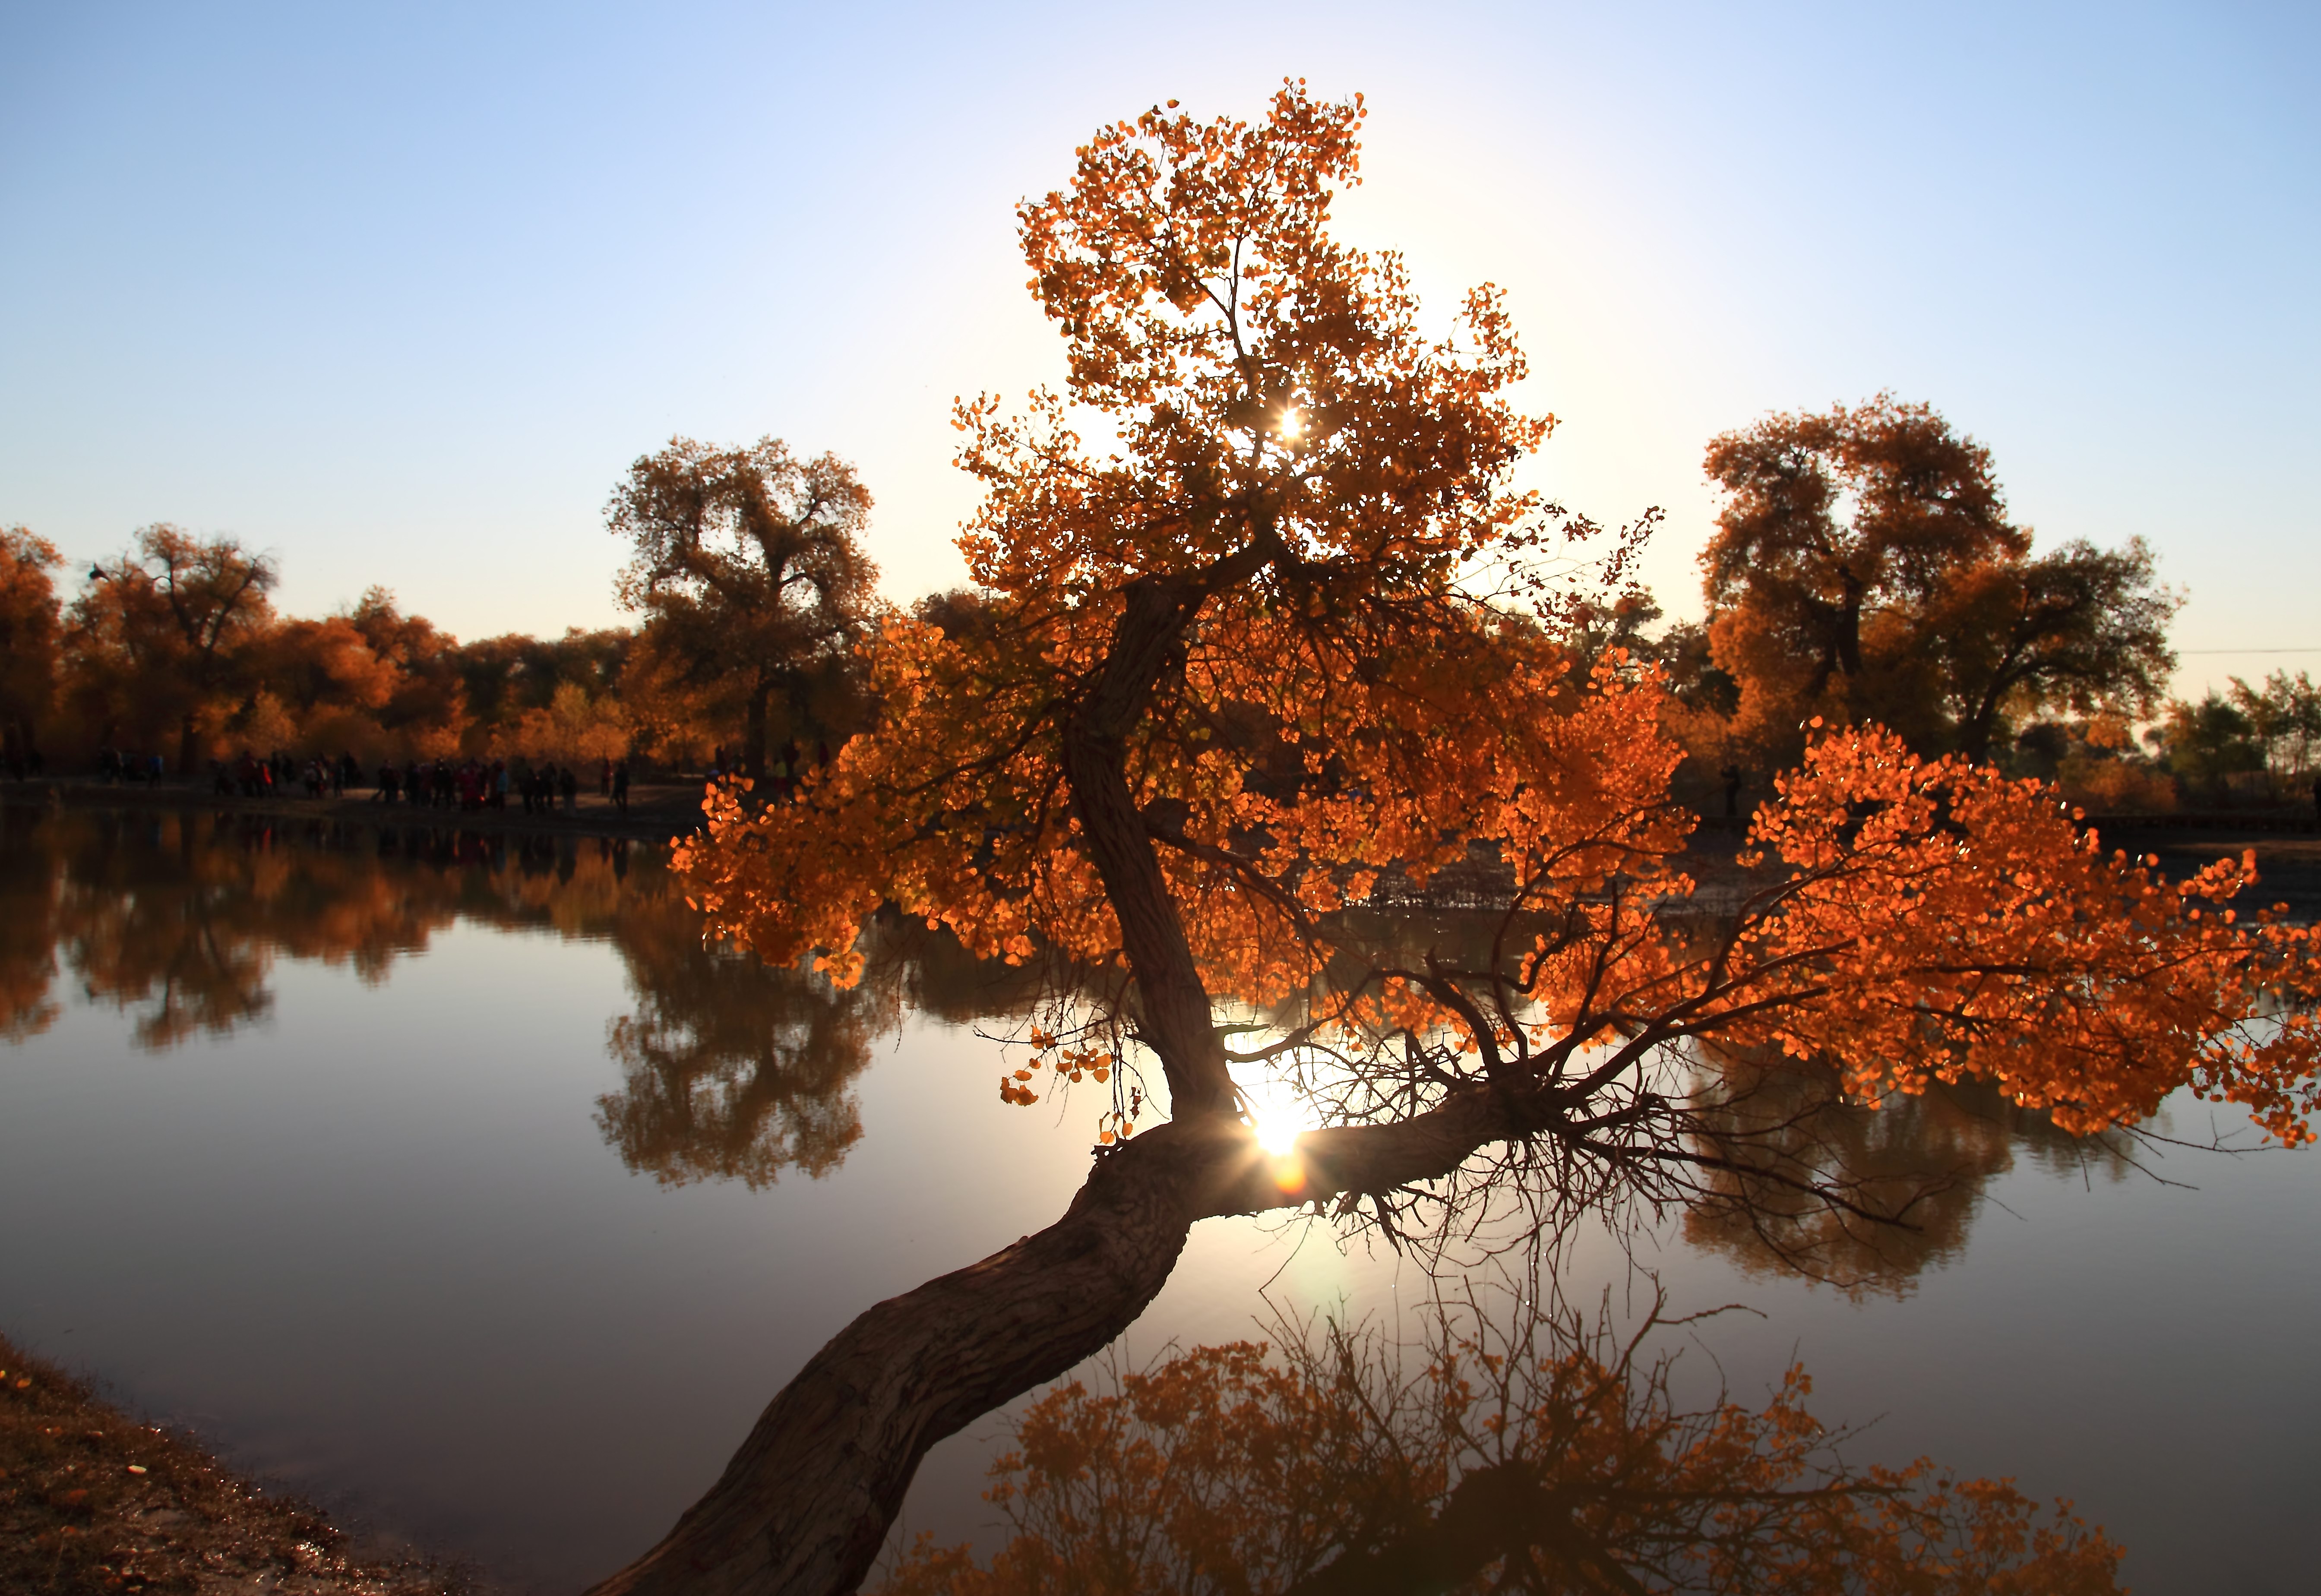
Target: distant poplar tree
{"x":749,"y":574}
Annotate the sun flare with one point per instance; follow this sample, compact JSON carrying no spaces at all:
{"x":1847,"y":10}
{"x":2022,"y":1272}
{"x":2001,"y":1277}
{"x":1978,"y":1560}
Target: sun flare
{"x":1292,"y":424}
{"x":1278,"y":1116}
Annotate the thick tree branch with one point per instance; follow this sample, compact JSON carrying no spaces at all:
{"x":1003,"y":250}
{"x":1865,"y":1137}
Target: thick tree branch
{"x":1173,"y":1003}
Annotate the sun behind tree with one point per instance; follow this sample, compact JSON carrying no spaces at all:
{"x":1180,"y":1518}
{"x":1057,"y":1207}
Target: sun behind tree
{"x":1288,"y":638}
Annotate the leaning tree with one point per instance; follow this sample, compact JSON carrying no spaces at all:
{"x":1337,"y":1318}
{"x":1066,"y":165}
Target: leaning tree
{"x":1269,"y":633}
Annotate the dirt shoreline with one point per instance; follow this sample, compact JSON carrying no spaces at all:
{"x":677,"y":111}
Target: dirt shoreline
{"x":92,"y":1502}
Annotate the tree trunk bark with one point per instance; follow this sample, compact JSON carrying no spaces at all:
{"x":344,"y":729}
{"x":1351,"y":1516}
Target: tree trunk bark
{"x":1172,"y":1004}
{"x":1849,"y":629}
{"x":803,"y":1507}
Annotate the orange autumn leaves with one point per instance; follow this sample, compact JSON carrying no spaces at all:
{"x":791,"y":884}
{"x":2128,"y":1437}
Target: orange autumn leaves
{"x":954,"y":811}
{"x":1551,"y":1459}
{"x":1921,"y":920}
{"x":1363,"y":679}
{"x":1344,"y":698}
{"x":1962,"y":926}
{"x":1258,"y":375}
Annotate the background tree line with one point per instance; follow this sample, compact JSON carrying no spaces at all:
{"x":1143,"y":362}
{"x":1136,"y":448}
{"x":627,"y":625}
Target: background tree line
{"x":1864,"y":567}
{"x":174,"y":648}
{"x":748,"y":576}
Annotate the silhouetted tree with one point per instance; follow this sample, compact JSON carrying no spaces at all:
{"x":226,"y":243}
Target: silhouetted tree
{"x":2208,"y":741}
{"x":2080,"y":631}
{"x":1863,"y":569}
{"x":749,"y":574}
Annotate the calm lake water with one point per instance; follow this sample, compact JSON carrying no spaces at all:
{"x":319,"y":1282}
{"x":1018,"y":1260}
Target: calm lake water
{"x":453,"y":1184}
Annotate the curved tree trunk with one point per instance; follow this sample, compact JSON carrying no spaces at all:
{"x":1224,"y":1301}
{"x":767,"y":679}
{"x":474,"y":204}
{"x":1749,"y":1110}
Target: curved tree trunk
{"x":803,"y":1506}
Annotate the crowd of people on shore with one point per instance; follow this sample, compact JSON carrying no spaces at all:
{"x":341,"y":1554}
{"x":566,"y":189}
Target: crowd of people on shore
{"x":473,"y":784}
{"x":113,"y":764}
{"x":467,"y":785}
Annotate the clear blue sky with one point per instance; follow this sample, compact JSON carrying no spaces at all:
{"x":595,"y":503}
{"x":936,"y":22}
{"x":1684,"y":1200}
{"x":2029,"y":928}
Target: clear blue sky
{"x":397,"y":293}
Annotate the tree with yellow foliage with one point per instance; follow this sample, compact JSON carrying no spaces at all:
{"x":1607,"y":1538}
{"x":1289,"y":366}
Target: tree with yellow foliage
{"x":1270,"y":635}
{"x":752,"y":577}
{"x":163,"y":637}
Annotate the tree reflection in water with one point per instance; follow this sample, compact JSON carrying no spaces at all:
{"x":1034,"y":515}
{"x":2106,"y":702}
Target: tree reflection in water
{"x":28,"y":931}
{"x":176,"y":919}
{"x":1923,"y":1160}
{"x":1523,"y":1449}
{"x":1515,"y":1448}
{"x":735,"y":1071}
{"x":731,"y":1069}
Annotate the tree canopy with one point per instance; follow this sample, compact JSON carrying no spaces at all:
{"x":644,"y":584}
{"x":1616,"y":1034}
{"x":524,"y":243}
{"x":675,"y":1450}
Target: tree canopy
{"x":1863,"y":567}
{"x":1271,"y":635}
{"x":749,"y":570}
{"x":29,"y":638}
{"x":168,"y":628}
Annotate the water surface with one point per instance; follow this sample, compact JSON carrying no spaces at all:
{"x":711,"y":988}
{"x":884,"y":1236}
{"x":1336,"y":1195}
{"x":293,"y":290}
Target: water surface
{"x":454,"y":1183}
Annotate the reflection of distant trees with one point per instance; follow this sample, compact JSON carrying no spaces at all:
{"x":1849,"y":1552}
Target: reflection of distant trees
{"x":1515,"y":1449}
{"x":1791,"y":1143}
{"x":735,"y":1071}
{"x":177,"y":918}
{"x":731,"y":1069}
{"x":28,"y":910}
